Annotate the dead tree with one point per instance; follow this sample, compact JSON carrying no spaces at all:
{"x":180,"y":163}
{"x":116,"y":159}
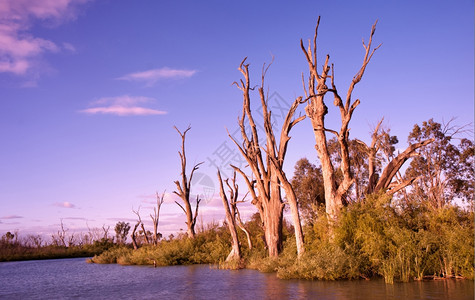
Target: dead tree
{"x":233,"y":196}
{"x":316,"y":110}
{"x":139,"y":223}
{"x":62,"y":234}
{"x":267,"y":169}
{"x":105,"y":231}
{"x":184,"y":188}
{"x":385,"y":182}
{"x":155,"y":217}
{"x":134,"y":235}
{"x":235,"y":253}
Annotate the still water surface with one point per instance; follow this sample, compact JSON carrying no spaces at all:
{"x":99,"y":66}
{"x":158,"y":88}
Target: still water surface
{"x":74,"y":278}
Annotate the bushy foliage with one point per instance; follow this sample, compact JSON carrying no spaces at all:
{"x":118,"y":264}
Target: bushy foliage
{"x":373,"y":238}
{"x":208,"y":247}
{"x":21,"y":249}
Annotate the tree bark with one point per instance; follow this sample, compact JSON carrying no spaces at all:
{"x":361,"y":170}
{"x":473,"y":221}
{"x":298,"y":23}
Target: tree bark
{"x":265,"y":189}
{"x":393,"y":167}
{"x":385,"y":181}
{"x":235,"y":253}
{"x":268,"y":170}
{"x":317,"y":110}
{"x":155,"y":217}
{"x":133,"y":236}
{"x":184,"y":188}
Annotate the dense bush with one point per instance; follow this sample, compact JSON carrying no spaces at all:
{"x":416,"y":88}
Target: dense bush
{"x":373,"y":238}
{"x":208,"y":247}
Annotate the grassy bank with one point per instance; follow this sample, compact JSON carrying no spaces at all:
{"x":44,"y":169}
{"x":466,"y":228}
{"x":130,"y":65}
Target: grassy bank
{"x":15,"y":250}
{"x":371,"y":239}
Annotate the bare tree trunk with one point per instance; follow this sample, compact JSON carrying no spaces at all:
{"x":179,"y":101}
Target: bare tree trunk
{"x":393,"y":167}
{"x":267,"y":169}
{"x":134,"y":237}
{"x":235,"y":253}
{"x":155,"y":217}
{"x":243,"y":228}
{"x":139,"y":223}
{"x":184,"y":188}
{"x":317,"y":110}
{"x":385,"y":181}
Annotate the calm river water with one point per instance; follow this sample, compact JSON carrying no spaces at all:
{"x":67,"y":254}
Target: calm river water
{"x":74,"y":278}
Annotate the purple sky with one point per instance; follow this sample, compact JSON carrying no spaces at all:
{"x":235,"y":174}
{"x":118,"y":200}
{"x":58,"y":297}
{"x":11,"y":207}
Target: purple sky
{"x":90,"y":92}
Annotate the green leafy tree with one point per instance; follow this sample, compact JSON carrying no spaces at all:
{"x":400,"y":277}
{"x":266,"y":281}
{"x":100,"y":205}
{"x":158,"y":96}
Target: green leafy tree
{"x":121,"y":232}
{"x":445,"y":169}
{"x":307,"y":183}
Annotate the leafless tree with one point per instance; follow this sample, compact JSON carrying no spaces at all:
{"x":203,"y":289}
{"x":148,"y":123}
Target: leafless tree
{"x":62,"y":234}
{"x":134,"y":232}
{"x":316,"y":110}
{"x":105,"y":231}
{"x":233,"y":189}
{"x":384,"y":182}
{"x":155,"y":217}
{"x":267,"y":168}
{"x":235,"y":253}
{"x":184,"y":188}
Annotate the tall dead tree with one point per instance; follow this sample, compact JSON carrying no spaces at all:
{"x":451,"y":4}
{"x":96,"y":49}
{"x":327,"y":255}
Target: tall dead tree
{"x":267,"y":169}
{"x":235,"y":253}
{"x":184,"y":188}
{"x":316,"y":110}
{"x":155,"y":217}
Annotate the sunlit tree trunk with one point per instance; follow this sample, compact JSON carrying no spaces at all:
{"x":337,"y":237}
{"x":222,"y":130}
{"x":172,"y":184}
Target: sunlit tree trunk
{"x":155,"y":217}
{"x":267,"y":169}
{"x":235,"y":253}
{"x":317,"y":110}
{"x":184,"y":188}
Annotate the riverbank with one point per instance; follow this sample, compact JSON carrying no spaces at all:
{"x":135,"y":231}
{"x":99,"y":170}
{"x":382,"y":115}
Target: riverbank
{"x":371,"y":240}
{"x":16,"y":251}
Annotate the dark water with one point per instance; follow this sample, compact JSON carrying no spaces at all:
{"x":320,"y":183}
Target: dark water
{"x":74,"y":278}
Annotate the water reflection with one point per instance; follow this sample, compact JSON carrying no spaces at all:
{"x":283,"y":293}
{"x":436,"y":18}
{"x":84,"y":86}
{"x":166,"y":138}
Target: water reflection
{"x":73,"y":278}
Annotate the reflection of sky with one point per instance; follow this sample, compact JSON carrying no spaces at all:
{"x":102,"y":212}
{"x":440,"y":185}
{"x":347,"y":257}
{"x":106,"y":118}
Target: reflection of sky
{"x":91,"y":92}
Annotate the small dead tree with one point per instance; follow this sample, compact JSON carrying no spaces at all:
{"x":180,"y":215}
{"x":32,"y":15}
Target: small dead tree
{"x":134,"y":234}
{"x":316,"y":110}
{"x":155,"y":217}
{"x":233,"y":196}
{"x":235,"y":253}
{"x":105,"y":231}
{"x":62,"y":234}
{"x":184,"y":188}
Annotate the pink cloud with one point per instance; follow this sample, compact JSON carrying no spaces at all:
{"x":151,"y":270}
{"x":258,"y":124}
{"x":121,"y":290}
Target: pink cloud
{"x":64,"y":204}
{"x":122,"y":106}
{"x":152,"y":76}
{"x":18,"y":48}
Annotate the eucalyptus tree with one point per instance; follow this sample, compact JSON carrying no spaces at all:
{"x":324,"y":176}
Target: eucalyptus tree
{"x":184,"y":188}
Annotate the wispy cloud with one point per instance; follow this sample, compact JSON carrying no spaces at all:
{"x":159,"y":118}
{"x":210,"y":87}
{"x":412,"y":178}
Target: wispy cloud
{"x":122,"y":106}
{"x":11,"y":217}
{"x":64,"y":204}
{"x":18,"y":47}
{"x":154,"y":75}
{"x":76,"y":218}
